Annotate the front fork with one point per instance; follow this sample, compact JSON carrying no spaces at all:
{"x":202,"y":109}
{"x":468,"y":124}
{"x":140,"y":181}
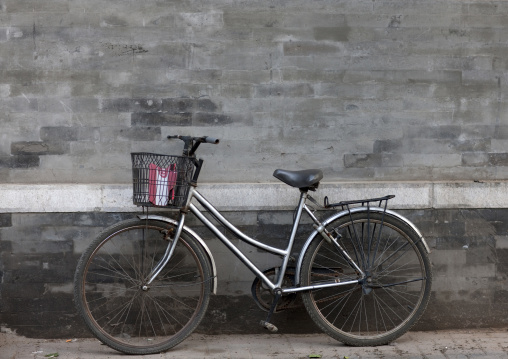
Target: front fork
{"x":167,"y":255}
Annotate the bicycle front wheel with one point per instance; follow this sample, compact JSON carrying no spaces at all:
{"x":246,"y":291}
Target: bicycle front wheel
{"x":117,"y":304}
{"x":388,"y":301}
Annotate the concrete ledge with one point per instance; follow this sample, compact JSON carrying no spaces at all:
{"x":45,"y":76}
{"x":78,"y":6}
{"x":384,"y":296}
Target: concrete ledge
{"x":471,"y":195}
{"x":256,"y":196}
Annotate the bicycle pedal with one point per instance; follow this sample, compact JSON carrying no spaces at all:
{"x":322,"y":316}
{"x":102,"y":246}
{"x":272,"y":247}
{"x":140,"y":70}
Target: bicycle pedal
{"x":271,"y":328}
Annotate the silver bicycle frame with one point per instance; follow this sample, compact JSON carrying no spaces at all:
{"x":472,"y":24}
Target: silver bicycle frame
{"x":284,"y":253}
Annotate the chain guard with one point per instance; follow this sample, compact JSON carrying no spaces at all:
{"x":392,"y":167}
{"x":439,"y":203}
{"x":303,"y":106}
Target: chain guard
{"x":263,"y":296}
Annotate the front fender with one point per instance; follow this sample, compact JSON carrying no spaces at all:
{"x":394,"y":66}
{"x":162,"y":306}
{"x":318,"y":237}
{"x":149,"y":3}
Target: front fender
{"x":346,"y":213}
{"x":190,"y":232}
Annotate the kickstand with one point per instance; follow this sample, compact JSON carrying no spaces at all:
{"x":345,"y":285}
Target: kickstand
{"x":266,"y":323}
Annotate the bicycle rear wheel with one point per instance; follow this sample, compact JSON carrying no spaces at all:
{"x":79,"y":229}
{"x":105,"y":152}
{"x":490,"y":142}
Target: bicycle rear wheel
{"x":391,"y":298}
{"x":119,"y":307}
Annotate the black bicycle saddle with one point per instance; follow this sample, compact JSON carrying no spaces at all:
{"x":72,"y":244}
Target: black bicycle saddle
{"x":300,"y":179}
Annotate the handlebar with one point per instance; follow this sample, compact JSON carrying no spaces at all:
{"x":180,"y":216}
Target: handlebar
{"x":194,"y":142}
{"x":206,"y":139}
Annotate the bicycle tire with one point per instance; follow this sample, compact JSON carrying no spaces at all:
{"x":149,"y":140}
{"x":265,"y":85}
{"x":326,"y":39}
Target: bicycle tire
{"x":394,"y":295}
{"x":109,"y":293}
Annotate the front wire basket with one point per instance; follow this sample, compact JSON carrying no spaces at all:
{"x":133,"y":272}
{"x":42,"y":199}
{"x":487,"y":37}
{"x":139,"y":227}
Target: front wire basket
{"x":161,"y":180}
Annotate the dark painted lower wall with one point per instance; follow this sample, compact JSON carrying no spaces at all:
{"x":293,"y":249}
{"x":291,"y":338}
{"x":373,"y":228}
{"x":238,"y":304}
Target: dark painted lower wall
{"x":39,"y":253}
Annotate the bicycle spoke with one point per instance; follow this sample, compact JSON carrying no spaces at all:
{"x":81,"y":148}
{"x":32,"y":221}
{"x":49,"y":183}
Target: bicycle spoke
{"x":113,"y":269}
{"x":126,"y":313}
{"x":383,"y":304}
{"x":169,"y":314}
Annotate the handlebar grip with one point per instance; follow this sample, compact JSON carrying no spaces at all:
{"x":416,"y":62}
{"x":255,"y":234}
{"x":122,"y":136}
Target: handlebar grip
{"x":204,"y":139}
{"x":211,"y":140}
{"x":192,"y":143}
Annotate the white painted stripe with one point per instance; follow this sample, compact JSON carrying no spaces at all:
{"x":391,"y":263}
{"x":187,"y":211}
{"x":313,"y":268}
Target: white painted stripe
{"x":15,"y":198}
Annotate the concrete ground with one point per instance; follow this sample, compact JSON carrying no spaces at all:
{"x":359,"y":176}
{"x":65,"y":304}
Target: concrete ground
{"x":482,"y":343}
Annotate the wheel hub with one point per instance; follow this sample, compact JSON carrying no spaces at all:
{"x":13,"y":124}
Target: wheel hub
{"x":367,"y":283}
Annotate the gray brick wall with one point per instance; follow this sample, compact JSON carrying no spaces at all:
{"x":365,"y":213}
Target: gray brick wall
{"x":367,"y":90}
{"x":396,"y":90}
{"x":39,"y":252}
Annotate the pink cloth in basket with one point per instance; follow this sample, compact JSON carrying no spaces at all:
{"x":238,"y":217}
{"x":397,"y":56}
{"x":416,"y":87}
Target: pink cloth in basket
{"x":161,"y":184}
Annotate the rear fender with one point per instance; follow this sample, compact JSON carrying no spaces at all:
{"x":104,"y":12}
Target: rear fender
{"x":346,"y":213}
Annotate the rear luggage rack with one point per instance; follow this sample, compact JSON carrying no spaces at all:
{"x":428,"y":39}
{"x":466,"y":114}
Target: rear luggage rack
{"x":361,"y":202}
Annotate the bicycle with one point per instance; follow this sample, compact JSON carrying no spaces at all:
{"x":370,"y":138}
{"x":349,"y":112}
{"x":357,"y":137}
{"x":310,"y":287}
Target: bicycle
{"x":144,"y":284}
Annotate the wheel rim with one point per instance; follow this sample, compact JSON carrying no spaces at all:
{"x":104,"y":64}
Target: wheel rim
{"x":387,"y":299}
{"x":119,"y":303}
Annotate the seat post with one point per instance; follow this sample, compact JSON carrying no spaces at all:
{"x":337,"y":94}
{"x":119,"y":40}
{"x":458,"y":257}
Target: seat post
{"x":298,"y":216}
